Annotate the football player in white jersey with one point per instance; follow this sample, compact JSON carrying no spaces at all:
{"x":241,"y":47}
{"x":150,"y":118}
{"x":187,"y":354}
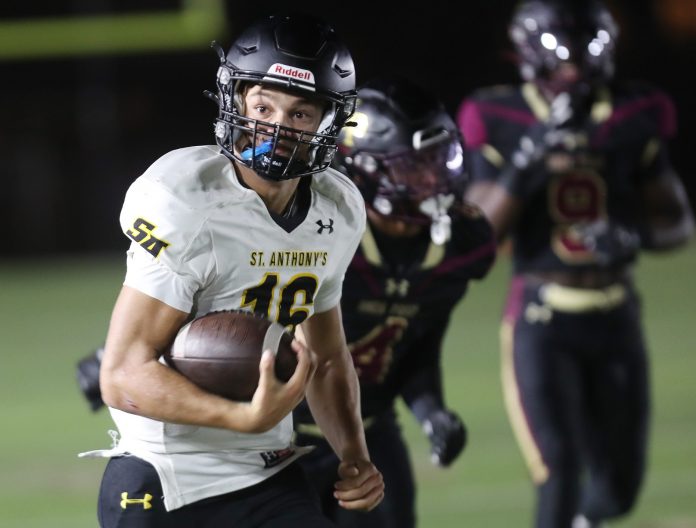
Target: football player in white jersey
{"x":258,"y":222}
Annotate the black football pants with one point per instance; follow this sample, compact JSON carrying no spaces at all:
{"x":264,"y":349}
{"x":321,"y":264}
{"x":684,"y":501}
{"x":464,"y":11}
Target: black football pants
{"x":284,"y":500}
{"x":577,"y":394}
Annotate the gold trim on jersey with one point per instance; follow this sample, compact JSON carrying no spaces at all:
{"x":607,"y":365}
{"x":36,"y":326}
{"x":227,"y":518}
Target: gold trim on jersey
{"x":579,"y":300}
{"x":530,"y":451}
{"x":491,"y":154}
{"x":540,"y":108}
{"x":651,"y":149}
{"x":369,"y":247}
{"x":433,"y":256}
{"x":602,"y":107}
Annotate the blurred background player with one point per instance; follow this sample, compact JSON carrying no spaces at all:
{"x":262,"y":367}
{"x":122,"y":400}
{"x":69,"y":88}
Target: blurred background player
{"x":186,"y":457}
{"x":573,"y":167}
{"x":421,"y":247}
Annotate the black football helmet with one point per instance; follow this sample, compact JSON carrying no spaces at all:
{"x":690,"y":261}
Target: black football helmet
{"x":404,"y":154}
{"x":302,"y":54}
{"x":548,"y":33}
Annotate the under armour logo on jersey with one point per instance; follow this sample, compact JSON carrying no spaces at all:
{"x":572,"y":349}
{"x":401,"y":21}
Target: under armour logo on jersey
{"x":323,"y":226}
{"x":145,"y":501}
{"x":393,"y":286}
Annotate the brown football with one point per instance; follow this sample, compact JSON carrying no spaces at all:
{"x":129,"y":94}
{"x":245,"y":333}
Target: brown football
{"x":220,"y":352}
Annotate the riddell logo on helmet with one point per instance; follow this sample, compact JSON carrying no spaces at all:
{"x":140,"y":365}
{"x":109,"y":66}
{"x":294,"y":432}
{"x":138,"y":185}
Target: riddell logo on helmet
{"x":290,"y":71}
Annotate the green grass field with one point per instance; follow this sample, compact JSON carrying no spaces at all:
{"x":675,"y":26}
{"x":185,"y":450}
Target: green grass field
{"x":54,"y":311}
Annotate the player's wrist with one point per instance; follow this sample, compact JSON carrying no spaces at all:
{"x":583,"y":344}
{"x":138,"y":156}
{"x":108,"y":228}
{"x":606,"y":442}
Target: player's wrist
{"x":247,"y":418}
{"x":354,"y":453}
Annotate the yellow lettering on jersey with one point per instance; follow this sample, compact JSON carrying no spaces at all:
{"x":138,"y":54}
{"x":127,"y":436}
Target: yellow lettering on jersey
{"x":404,"y":310}
{"x":291,"y":259}
{"x":145,"y":501}
{"x":372,"y":307}
{"x":293,"y":302}
{"x":256,"y":259}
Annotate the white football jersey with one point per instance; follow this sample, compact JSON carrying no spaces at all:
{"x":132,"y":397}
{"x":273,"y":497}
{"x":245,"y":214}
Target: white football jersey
{"x":201,"y":241}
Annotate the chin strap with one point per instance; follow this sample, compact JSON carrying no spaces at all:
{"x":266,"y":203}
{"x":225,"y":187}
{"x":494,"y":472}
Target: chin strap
{"x":436,"y":208}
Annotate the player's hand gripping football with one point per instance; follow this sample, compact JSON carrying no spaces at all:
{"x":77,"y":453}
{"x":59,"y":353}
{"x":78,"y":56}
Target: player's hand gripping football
{"x":273,"y":399}
{"x":447,"y":435}
{"x":361,"y":486}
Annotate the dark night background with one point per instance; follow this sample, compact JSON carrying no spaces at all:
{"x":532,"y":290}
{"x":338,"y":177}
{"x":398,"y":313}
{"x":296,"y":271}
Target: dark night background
{"x":75,"y":131}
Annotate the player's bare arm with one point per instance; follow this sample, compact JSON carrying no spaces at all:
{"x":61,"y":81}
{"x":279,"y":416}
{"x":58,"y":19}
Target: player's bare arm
{"x":334,"y":393}
{"x":133,"y":380}
{"x":334,"y":399}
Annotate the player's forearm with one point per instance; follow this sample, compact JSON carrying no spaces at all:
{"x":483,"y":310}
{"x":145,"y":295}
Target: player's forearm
{"x":334,"y":399}
{"x":155,"y":391}
{"x":133,"y":380}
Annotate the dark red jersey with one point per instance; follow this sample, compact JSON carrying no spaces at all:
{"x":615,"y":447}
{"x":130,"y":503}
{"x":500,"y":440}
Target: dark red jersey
{"x":587,"y":214}
{"x":398,"y":295}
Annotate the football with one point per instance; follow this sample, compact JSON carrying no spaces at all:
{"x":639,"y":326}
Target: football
{"x":220,"y":352}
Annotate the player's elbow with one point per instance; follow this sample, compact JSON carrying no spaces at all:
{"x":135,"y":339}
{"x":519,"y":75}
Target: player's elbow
{"x":114,"y":383}
{"x":109,"y":387}
{"x":109,"y":395}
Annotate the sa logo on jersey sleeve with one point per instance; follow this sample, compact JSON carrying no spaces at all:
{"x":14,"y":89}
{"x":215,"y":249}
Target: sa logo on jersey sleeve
{"x":141,"y":232}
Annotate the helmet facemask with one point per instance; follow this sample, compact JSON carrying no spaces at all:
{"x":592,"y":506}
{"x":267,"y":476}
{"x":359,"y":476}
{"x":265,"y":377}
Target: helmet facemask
{"x":254,"y":143}
{"x":413,"y":186}
{"x":405,"y":154}
{"x":301,"y":55}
